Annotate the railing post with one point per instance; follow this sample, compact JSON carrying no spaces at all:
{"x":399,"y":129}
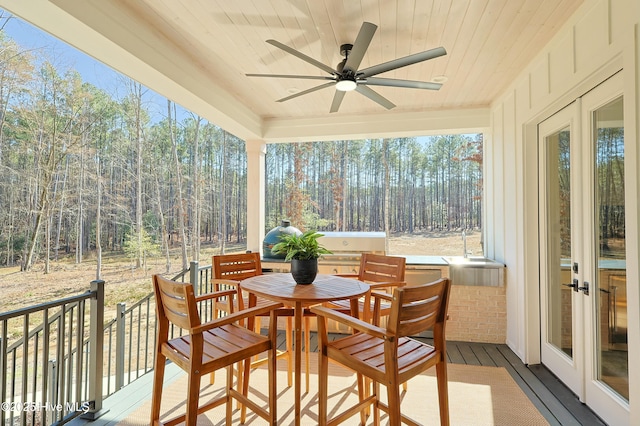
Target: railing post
{"x":96,"y":361}
{"x":194,"y":277}
{"x":53,"y":387}
{"x":119,"y":352}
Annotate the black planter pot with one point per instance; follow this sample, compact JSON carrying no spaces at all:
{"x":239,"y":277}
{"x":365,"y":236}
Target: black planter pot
{"x":304,"y":271}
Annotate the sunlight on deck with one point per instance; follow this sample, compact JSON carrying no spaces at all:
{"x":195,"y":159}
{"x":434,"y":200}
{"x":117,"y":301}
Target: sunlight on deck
{"x":477,"y":395}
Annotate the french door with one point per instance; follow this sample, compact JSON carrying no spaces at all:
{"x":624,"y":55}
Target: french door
{"x":583,"y":250}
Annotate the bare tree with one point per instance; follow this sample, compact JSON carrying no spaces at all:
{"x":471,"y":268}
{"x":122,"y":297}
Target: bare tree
{"x":195,"y":246}
{"x":181,"y":209}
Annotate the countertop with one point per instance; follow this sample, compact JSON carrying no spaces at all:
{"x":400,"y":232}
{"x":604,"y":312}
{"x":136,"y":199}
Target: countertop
{"x":439,"y":261}
{"x":415,"y":260}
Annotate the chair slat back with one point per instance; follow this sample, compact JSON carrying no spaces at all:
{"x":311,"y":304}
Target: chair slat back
{"x":380,"y":268}
{"x":236,"y":266}
{"x":175,"y":302}
{"x":418,"y":308}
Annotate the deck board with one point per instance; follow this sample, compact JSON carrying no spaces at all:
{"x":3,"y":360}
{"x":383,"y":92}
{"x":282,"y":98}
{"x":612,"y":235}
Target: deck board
{"x":554,"y":401}
{"x":480,"y":351}
{"x":565,"y":396}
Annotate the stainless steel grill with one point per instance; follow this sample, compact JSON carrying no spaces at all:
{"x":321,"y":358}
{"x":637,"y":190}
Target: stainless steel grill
{"x":354,"y":243}
{"x":347,"y":248}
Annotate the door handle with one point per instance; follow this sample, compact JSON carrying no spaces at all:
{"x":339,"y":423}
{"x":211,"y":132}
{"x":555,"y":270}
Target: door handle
{"x":574,"y":285}
{"x":584,"y":289}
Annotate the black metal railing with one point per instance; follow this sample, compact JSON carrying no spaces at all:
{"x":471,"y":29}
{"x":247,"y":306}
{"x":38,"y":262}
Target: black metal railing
{"x":130,"y":338}
{"x":48,"y":375}
{"x":60,"y":360}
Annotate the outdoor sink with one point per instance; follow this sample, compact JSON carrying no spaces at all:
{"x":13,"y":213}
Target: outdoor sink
{"x":475,"y":271}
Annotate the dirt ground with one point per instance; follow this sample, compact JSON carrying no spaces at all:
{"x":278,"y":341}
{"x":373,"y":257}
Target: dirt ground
{"x":124,"y":283}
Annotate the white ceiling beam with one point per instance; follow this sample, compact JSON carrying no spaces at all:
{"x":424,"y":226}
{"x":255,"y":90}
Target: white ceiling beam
{"x":386,"y":125}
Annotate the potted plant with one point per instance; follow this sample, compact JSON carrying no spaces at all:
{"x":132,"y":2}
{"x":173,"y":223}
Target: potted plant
{"x":303,"y":251}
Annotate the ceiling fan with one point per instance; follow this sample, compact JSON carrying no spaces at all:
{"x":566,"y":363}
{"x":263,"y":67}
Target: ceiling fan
{"x":347,"y":77}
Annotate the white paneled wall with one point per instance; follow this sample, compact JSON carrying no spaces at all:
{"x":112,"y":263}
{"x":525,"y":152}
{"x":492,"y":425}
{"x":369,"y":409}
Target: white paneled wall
{"x":593,"y":45}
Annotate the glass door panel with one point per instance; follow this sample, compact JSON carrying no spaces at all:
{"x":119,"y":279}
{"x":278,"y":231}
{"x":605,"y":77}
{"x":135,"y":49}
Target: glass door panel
{"x":559,"y":194}
{"x":558,"y":282}
{"x":611,"y":280}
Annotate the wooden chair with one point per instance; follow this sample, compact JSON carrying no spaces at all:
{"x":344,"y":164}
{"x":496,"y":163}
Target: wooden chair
{"x":228,"y":271}
{"x":388,"y":355}
{"x":208,"y":347}
{"x":382,"y":273}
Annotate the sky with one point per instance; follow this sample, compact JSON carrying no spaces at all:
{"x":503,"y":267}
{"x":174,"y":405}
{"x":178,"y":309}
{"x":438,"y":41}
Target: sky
{"x":92,"y":71}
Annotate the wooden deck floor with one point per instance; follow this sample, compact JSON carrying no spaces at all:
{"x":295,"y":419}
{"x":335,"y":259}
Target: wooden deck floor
{"x":554,"y":401}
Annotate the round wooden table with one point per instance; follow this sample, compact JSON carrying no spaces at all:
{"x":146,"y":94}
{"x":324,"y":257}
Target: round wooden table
{"x":325,"y":288}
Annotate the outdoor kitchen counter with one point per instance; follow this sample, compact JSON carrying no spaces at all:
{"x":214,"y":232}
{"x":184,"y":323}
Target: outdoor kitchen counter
{"x":470,"y":271}
{"x":477,"y":308}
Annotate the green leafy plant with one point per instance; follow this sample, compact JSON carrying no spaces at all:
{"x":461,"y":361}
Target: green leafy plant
{"x":301,"y":247}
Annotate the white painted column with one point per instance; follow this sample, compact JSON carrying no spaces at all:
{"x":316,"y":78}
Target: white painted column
{"x":256,"y":151}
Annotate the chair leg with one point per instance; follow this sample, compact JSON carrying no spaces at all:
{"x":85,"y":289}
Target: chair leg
{"x":273,"y":391}
{"x":367,"y":391}
{"x":239,"y":380}
{"x":443,"y":392}
{"x":193,"y":397}
{"x":376,"y":410}
{"x":307,"y":345}
{"x":156,"y":398}
{"x":363,"y":392}
{"x":244,"y":388}
{"x":288,"y":338}
{"x":323,"y":382}
{"x":229,"y":402}
{"x":393,"y":393}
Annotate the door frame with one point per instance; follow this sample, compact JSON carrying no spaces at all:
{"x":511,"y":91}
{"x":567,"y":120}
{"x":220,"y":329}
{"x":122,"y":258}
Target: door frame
{"x":533,"y":258}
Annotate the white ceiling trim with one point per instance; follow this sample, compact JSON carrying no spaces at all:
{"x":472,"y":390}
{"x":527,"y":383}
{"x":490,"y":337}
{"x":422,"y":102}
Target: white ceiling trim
{"x":389,"y":125}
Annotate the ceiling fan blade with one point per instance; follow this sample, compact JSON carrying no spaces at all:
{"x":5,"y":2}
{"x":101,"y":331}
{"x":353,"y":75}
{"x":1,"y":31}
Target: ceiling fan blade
{"x":302,"y":56}
{"x":392,"y":82}
{"x":337,"y":100}
{"x":401,"y":62}
{"x":375,"y":96}
{"x":360,"y":46}
{"x":304,"y":92}
{"x":306,"y":77}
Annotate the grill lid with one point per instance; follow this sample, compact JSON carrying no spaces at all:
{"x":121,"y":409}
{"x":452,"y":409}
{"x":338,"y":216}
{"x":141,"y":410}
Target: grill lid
{"x":273,"y":237}
{"x":354,"y":242}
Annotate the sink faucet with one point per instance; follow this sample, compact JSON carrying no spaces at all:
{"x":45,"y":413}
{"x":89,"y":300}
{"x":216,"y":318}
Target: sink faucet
{"x":464,"y":244}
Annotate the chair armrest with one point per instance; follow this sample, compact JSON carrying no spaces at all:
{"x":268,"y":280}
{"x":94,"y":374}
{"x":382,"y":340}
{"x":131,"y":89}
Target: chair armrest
{"x":215,"y":295}
{"x":236,"y":316}
{"x":348,"y":320}
{"x":346,"y":275}
{"x":379,"y":295}
{"x":387,"y":284}
{"x":233,"y":283}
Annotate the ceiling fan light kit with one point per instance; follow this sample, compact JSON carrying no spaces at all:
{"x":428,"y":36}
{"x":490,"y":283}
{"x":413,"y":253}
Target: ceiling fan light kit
{"x":346,"y":85}
{"x":347,"y":77}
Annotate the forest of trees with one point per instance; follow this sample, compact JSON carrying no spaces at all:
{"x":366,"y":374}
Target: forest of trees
{"x":84,"y":170}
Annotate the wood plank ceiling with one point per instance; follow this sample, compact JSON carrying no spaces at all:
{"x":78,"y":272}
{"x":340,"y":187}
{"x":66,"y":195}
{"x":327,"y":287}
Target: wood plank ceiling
{"x":213,"y":43}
